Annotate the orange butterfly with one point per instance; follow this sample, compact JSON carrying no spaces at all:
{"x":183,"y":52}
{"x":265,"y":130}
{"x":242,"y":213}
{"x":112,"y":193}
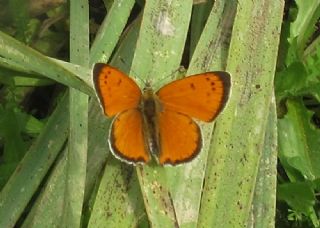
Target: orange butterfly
{"x":159,"y":123}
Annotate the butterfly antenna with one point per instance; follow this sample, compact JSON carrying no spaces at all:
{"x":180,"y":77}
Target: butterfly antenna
{"x":181,"y":73}
{"x":130,"y":67}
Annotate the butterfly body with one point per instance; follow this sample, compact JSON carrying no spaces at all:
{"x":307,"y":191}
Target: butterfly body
{"x":159,"y":124}
{"x":150,"y":108}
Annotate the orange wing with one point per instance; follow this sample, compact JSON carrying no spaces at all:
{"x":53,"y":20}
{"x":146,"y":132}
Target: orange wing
{"x":180,"y":138}
{"x":202,"y":96}
{"x":116,"y":91}
{"x":126,"y":137}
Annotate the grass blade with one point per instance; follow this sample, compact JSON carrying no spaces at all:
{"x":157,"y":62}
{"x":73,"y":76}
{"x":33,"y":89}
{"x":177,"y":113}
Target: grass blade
{"x":78,"y":133}
{"x":30,"y":59}
{"x":239,"y":134}
{"x":34,"y":166}
{"x":187,"y":183}
{"x":110,"y":31}
{"x":264,"y":200}
{"x":47,"y":211}
{"x":118,"y":185}
{"x":159,"y":49}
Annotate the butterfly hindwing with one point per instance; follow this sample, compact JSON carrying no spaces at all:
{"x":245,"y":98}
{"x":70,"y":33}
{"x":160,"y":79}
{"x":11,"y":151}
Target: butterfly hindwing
{"x":126,"y":137}
{"x":116,"y":91}
{"x":180,"y":138}
{"x":201,"y":96}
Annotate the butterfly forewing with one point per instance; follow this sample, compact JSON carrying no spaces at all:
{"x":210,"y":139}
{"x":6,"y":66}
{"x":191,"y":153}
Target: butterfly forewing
{"x":180,"y":138}
{"x":126,"y":137}
{"x":201,"y":96}
{"x":116,"y":91}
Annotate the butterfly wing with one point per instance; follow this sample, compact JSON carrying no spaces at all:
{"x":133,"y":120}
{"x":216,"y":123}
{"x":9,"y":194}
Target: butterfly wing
{"x":126,"y":137}
{"x":180,"y":138}
{"x":201,"y":96}
{"x":116,"y":91}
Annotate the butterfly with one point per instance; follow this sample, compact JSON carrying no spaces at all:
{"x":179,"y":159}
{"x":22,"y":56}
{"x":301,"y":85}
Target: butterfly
{"x":158,"y":124}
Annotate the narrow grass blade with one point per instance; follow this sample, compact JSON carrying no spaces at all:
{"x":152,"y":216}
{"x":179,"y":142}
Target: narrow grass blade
{"x":263,"y":208}
{"x":157,"y":198}
{"x":209,"y":55}
{"x":16,"y":194}
{"x":212,"y":49}
{"x":110,"y":31}
{"x":119,"y":183}
{"x":97,"y":145}
{"x":161,"y":39}
{"x":158,"y":54}
{"x":32,"y":60}
{"x":118,"y":202}
{"x":78,"y":133}
{"x":47,"y":211}
{"x":118,"y":199}
{"x":200,"y":13}
{"x":239,"y":134}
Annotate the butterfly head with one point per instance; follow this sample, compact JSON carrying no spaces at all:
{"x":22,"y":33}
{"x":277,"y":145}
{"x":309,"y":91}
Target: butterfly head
{"x":148,"y":90}
{"x":147,"y":86}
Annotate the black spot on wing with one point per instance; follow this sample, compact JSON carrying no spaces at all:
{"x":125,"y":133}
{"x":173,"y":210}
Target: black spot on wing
{"x":226,"y":85}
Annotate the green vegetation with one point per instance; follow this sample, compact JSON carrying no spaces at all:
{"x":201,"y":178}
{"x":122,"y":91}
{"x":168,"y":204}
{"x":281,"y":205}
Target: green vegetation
{"x":297,"y":87}
{"x":260,"y":162}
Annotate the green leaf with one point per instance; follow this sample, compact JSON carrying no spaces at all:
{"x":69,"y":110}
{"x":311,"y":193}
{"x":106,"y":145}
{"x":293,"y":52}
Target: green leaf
{"x":238,"y":139}
{"x":299,"y":141}
{"x":47,"y":210}
{"x":110,"y":31}
{"x":119,"y":202}
{"x":296,"y":81}
{"x":187,"y":181}
{"x":304,"y":25}
{"x":20,"y":16}
{"x":16,"y":194}
{"x":31,"y":60}
{"x":300,"y":196}
{"x":291,"y":80}
{"x":264,"y":203}
{"x":159,"y":49}
{"x":10,"y":131}
{"x":78,"y":128}
{"x":200,"y":13}
{"x":129,"y":196}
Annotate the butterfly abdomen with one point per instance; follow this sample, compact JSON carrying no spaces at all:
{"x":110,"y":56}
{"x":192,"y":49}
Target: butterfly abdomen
{"x":150,"y":107}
